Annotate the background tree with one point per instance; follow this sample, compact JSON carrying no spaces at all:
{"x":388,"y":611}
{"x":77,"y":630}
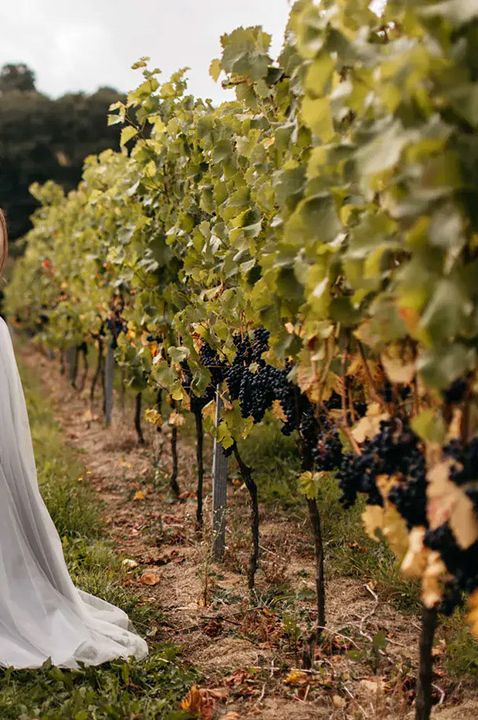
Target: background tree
{"x":16,"y":77}
{"x":42,"y":139}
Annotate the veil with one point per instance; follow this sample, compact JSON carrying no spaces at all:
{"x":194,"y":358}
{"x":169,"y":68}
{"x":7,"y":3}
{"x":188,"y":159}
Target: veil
{"x":42,"y":613}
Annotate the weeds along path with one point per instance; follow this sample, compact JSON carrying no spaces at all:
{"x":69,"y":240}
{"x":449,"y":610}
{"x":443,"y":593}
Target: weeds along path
{"x":249,"y":656}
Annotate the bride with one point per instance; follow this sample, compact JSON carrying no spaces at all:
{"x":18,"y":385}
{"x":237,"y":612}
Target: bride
{"x":42,"y":614}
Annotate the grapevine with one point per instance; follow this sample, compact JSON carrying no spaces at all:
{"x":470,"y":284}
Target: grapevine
{"x":308,"y":248}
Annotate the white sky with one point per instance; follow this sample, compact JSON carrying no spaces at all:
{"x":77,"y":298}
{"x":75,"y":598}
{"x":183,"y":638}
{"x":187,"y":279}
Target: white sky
{"x":83,"y":44}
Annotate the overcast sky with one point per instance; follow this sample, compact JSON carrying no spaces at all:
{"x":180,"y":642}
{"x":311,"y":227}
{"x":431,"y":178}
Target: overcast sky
{"x":83,"y":44}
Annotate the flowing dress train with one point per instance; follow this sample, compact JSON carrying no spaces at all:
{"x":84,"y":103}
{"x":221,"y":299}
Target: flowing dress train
{"x":42,"y":613}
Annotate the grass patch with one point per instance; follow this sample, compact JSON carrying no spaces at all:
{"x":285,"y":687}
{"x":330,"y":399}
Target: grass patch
{"x":117,"y":690}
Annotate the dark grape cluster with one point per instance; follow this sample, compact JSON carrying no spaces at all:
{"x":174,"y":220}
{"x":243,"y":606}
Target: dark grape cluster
{"x":210,"y":359}
{"x":250,"y":379}
{"x":116,"y":325}
{"x":465,"y":469}
{"x":456,"y":392}
{"x":257,"y":385}
{"x":256,"y":393}
{"x":357,"y":474}
{"x":327,"y":452}
{"x":197,"y":402}
{"x":395,"y":450}
{"x":461,"y":564}
{"x":260,"y":344}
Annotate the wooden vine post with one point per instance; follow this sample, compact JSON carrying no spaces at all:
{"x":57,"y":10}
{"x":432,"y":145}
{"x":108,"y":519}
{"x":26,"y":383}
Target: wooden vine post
{"x":72,"y":364}
{"x":219,"y":492}
{"x":108,"y":382}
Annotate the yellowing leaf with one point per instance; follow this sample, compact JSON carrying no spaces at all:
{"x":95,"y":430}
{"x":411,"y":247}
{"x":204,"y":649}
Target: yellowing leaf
{"x":309,"y":484}
{"x":308,"y":381}
{"x":201,"y":703}
{"x":297,"y":677}
{"x":387,"y":522}
{"x":209,"y":410}
{"x":368,"y":426}
{"x":472,"y":615}
{"x":154,"y":417}
{"x":150,"y":169}
{"x":127,"y":134}
{"x":433,"y":580}
{"x":176,"y":419}
{"x":215,"y":69}
{"x":192,"y":702}
{"x":397,"y":370}
{"x":421,"y":562}
{"x":278,"y":412}
{"x":317,"y":115}
{"x":178,"y":393}
{"x":372,"y":518}
{"x":224,"y":435}
{"x":415,"y":560}
{"x":449,"y":503}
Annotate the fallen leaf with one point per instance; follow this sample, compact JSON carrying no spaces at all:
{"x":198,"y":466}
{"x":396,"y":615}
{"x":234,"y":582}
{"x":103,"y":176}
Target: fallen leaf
{"x":297,"y":677}
{"x":338,"y":702}
{"x":201,"y":703}
{"x":372,"y":686}
{"x":139,"y":495}
{"x":129,"y":564}
{"x":88,"y":416}
{"x":150,"y":577}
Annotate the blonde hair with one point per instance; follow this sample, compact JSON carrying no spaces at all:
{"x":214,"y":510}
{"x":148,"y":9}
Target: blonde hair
{"x":3,"y":241}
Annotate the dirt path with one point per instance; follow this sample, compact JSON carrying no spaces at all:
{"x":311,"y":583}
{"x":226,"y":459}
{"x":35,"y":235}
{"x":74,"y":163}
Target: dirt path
{"x":246,"y":655}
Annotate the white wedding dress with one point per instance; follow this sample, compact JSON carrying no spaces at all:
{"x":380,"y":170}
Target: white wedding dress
{"x":42,"y":614}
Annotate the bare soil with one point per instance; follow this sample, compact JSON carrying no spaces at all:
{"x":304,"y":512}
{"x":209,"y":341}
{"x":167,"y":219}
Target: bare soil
{"x":249,"y":654}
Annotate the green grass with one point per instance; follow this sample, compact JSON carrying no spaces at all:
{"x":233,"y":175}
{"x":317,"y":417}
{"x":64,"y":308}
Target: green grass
{"x":150,"y":689}
{"x":461,"y":658}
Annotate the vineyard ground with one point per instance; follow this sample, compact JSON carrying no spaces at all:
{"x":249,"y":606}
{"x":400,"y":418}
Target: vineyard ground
{"x":241,"y":654}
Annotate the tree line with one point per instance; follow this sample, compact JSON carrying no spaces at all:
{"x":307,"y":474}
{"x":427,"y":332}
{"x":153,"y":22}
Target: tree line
{"x":43,"y":138}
